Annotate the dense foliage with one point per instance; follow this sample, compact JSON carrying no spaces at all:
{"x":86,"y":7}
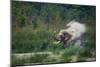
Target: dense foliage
{"x":34,"y":26}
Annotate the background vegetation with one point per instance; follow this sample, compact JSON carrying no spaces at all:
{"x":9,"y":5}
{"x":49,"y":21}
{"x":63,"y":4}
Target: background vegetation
{"x":34,"y":26}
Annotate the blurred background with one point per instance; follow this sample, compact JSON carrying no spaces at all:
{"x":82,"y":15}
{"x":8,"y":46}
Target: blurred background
{"x":34,"y":26}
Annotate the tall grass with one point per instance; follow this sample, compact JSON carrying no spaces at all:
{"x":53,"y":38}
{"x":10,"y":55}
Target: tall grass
{"x":29,"y":40}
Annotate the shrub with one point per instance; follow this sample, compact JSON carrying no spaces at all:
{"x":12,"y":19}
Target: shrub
{"x":69,"y":52}
{"x":28,"y":41}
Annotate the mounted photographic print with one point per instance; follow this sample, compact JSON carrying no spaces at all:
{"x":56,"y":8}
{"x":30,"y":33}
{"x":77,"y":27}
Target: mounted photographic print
{"x":52,"y":33}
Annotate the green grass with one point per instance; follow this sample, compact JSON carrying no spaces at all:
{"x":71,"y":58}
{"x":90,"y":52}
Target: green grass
{"x":28,"y":40}
{"x":35,"y":25}
{"x":72,"y":54}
